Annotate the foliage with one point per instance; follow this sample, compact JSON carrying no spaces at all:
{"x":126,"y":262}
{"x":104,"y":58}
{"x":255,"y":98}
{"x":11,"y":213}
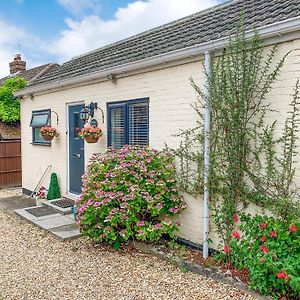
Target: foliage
{"x":89,"y":130}
{"x":245,"y":164}
{"x":54,"y":190}
{"x":48,"y":130}
{"x":129,"y":194}
{"x":10,"y":105}
{"x":42,"y":193}
{"x":272,"y":172}
{"x":270,"y":249}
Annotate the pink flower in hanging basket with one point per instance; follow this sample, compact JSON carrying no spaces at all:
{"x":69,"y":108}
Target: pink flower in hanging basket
{"x":89,"y":130}
{"x":49,"y":131}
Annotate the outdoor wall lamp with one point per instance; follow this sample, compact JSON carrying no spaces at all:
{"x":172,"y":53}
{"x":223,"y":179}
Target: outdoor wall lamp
{"x":89,"y":111}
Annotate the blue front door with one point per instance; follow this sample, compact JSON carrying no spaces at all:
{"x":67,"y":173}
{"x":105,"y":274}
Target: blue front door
{"x":76,"y":149}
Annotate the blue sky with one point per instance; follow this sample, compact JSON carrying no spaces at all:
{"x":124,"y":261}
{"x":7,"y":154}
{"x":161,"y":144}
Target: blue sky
{"x":57,"y":30}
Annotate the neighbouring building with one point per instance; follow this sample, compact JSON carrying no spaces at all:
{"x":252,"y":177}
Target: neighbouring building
{"x":142,"y":82}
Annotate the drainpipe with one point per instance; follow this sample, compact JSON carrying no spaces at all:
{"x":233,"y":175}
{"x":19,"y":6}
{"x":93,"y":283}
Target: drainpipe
{"x":206,"y":156}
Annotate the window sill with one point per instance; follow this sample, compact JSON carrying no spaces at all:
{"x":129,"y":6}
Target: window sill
{"x":41,"y":144}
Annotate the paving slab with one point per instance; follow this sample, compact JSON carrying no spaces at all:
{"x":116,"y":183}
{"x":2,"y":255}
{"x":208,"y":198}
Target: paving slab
{"x":24,"y":213}
{"x":66,"y":232}
{"x":62,"y":226}
{"x":52,"y":222}
{"x":41,"y":211}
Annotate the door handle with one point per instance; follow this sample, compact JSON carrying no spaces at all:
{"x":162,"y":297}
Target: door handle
{"x":76,"y":155}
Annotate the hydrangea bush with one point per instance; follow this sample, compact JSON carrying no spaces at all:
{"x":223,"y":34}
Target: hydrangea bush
{"x":270,"y":249}
{"x":129,"y":194}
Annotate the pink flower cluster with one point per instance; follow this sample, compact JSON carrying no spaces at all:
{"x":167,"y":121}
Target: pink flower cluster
{"x":90,"y":130}
{"x":131,"y":191}
{"x":48,"y":130}
{"x":42,"y":193}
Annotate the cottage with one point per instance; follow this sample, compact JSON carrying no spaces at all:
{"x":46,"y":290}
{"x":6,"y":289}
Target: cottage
{"x":142,"y":91}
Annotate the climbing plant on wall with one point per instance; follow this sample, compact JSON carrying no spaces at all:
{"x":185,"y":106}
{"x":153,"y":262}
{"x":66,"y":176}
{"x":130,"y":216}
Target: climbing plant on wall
{"x":247,"y":163}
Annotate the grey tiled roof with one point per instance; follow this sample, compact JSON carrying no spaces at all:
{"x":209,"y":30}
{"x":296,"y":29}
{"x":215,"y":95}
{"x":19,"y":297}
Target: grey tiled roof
{"x":208,"y":25}
{"x":30,"y":73}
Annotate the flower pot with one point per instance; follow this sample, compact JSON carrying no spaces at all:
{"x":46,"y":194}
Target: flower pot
{"x":91,"y":139}
{"x":47,"y":137}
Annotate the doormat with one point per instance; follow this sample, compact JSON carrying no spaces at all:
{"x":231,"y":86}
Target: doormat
{"x":41,"y":211}
{"x":63,"y":203}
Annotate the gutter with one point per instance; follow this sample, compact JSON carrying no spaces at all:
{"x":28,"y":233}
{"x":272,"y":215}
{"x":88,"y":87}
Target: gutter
{"x":276,"y":29}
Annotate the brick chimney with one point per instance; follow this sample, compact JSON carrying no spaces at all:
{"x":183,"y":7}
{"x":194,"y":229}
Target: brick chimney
{"x":17,"y":64}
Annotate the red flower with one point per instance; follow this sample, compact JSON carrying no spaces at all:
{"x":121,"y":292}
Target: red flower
{"x":235,"y":217}
{"x":236,"y":235}
{"x":263,"y":239}
{"x":226,"y":248}
{"x":264,"y":249}
{"x":293,"y":228}
{"x":273,"y":234}
{"x":283,"y":275}
{"x":263,"y":225}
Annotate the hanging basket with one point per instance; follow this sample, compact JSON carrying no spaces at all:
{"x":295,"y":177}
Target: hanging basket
{"x":47,"y":137}
{"x":91,"y":139}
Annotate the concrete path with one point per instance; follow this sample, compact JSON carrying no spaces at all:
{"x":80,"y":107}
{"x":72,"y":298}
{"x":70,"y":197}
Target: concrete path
{"x":10,"y":204}
{"x":61,"y":225}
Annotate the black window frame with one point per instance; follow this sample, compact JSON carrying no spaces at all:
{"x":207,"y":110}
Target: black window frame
{"x":126,"y":105}
{"x":34,"y":127}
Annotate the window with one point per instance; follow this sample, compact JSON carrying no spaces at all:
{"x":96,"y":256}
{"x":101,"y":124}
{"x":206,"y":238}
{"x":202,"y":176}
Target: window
{"x":128,"y":123}
{"x":39,"y":119}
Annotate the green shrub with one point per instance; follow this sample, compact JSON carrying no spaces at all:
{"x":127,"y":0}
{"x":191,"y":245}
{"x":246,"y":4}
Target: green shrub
{"x":9,"y":105}
{"x":54,"y":190}
{"x":270,"y":249}
{"x":129,"y":194}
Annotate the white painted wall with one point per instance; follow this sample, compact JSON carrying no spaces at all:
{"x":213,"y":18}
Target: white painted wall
{"x":170,"y":96}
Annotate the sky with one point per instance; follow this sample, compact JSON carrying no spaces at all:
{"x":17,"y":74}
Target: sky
{"x":44,"y":31}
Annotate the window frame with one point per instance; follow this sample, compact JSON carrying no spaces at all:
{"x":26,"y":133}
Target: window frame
{"x":34,"y":128}
{"x":124,"y":104}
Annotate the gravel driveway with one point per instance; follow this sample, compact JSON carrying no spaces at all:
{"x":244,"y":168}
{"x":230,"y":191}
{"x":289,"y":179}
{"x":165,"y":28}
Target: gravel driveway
{"x":35,"y":265}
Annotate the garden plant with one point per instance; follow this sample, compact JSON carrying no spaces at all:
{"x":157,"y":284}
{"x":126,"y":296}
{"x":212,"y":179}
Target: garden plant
{"x":10,"y":105}
{"x":54,"y":190}
{"x":129,"y":194}
{"x":250,"y":164}
{"x":91,"y":134}
{"x":48,"y":132}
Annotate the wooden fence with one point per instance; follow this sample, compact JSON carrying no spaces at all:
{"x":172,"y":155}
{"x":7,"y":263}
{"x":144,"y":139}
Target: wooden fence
{"x":10,"y":163}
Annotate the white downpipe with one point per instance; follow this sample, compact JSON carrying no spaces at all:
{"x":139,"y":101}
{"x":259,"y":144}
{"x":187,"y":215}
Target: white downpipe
{"x":206,"y":156}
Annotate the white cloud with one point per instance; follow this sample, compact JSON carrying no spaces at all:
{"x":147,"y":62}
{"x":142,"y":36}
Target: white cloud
{"x":77,"y":7}
{"x":92,"y":32}
{"x":10,"y":39}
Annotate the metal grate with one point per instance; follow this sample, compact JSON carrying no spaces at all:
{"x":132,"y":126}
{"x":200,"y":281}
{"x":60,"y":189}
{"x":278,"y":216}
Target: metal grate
{"x":41,"y":211}
{"x":63,"y":203}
